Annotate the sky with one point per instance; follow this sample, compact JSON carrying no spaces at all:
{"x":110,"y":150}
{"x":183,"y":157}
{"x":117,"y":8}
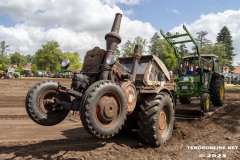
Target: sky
{"x":80,"y":25}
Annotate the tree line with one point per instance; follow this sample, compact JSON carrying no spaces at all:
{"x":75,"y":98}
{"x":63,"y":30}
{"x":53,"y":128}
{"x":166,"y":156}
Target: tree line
{"x":159,"y":47}
{"x":49,"y":56}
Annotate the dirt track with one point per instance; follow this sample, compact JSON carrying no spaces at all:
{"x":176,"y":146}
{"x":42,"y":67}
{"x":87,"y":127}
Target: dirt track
{"x":20,"y":138}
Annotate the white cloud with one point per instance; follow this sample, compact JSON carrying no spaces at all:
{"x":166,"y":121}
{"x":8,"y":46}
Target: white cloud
{"x":76,"y":25}
{"x":127,"y":2}
{"x":213,"y":23}
{"x":175,"y":11}
{"x":128,"y":12}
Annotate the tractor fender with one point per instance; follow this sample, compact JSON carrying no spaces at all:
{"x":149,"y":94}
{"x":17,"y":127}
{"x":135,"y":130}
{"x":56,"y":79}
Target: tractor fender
{"x":172,"y":94}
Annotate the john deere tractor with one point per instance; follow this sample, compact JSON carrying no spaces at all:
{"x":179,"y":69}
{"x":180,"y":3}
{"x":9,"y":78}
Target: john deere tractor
{"x":110,"y":94}
{"x":198,"y":74}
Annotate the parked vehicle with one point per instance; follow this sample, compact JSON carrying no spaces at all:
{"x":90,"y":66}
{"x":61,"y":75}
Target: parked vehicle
{"x":42,"y":73}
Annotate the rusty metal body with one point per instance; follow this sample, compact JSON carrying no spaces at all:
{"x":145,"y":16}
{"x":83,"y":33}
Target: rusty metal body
{"x":105,"y":91}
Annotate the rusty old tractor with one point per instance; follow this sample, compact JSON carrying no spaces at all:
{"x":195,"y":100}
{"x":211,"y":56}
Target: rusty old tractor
{"x":110,"y":94}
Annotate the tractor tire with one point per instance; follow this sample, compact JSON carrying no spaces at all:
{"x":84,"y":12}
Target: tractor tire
{"x":217,"y":91}
{"x":103,"y":109}
{"x":156,"y":119}
{"x":40,"y":112}
{"x":185,"y":100}
{"x":205,"y":102}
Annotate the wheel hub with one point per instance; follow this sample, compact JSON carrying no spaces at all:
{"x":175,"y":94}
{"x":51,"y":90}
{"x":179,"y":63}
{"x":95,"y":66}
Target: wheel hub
{"x":46,"y":101}
{"x":162,"y":121}
{"x":107,"y":109}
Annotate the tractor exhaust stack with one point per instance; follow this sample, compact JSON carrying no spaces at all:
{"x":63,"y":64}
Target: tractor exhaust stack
{"x":112,"y":39}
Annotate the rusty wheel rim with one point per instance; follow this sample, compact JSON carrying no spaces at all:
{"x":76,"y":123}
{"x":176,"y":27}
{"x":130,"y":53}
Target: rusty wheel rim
{"x":162,"y":122}
{"x":108,"y":110}
{"x":46,"y":101}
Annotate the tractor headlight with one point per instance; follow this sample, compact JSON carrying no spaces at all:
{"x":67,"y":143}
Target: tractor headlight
{"x":111,"y":59}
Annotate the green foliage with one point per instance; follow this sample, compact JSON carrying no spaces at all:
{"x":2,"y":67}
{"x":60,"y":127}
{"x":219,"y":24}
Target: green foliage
{"x":34,"y":69}
{"x":118,"y":52}
{"x":224,"y":37}
{"x":29,"y":58}
{"x":217,"y":49}
{"x":161,"y":49}
{"x":49,"y":57}
{"x":3,"y":53}
{"x":201,"y":39}
{"x":3,"y":66}
{"x":18,"y":59}
{"x":155,"y":37}
{"x":128,"y":47}
{"x":183,"y":50}
{"x":75,"y":60}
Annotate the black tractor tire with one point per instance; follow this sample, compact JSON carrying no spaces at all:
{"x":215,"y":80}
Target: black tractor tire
{"x":205,"y":102}
{"x":185,"y":100}
{"x":103,"y":110}
{"x":40,"y":113}
{"x":156,"y":119}
{"x":216,"y":89}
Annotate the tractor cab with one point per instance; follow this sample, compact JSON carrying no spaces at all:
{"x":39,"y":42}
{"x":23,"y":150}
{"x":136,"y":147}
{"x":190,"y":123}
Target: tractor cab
{"x":150,"y":70}
{"x":209,"y":64}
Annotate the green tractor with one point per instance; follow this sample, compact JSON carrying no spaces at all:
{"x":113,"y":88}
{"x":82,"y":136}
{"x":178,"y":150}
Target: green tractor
{"x":198,"y":75}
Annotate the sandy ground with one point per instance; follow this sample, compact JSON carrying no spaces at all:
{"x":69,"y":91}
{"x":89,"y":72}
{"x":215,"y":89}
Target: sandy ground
{"x":21,"y":138}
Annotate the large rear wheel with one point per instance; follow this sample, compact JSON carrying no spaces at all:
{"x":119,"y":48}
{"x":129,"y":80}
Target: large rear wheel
{"x":217,"y":91}
{"x":40,"y":100}
{"x":104,"y":109}
{"x":156,"y":119}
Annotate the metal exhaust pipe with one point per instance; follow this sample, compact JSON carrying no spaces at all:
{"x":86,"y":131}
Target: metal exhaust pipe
{"x":112,"y":40}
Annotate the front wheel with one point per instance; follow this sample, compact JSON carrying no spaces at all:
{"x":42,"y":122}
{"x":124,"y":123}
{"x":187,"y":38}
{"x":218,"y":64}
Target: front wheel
{"x":39,"y":103}
{"x":205,"y":102}
{"x":156,"y":119}
{"x":104,"y":109}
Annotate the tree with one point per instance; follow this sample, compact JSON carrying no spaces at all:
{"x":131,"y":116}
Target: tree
{"x":3,"y":66}
{"x":224,"y":37}
{"x":29,"y":58}
{"x":201,"y":39}
{"x":128,"y":47}
{"x":18,"y":59}
{"x":3,"y":52}
{"x":49,"y":57}
{"x":217,"y":49}
{"x":155,"y":37}
{"x":75,"y":60}
{"x":161,"y":49}
{"x":183,"y":50}
{"x":34,"y":69}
